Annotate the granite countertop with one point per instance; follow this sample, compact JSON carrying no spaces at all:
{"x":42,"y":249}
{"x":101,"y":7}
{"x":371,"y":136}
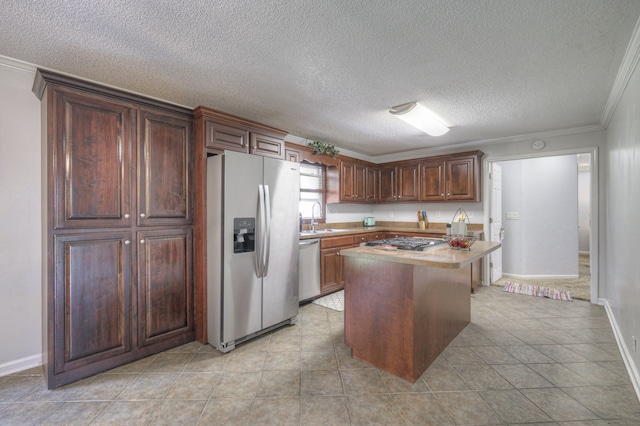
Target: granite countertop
{"x":436,"y":229}
{"x":440,"y":257}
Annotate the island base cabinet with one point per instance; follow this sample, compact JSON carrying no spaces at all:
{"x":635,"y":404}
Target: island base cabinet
{"x":400,"y":317}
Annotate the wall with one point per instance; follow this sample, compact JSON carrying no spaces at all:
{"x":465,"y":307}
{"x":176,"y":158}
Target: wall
{"x":20,"y":218}
{"x":545,"y":196}
{"x":402,"y":212}
{"x":621,"y":199}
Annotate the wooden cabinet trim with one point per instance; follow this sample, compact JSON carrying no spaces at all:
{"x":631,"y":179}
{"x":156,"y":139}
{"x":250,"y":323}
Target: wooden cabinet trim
{"x":44,"y":77}
{"x":235,"y":121}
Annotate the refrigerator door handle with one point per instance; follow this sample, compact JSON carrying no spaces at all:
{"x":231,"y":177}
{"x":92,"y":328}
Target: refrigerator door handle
{"x":267,"y":240}
{"x":261,"y":229}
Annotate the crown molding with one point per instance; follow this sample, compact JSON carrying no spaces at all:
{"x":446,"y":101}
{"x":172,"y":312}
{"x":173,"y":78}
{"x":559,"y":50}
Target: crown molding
{"x":15,"y":64}
{"x":477,"y":144}
{"x":629,"y":63}
{"x":302,"y":141}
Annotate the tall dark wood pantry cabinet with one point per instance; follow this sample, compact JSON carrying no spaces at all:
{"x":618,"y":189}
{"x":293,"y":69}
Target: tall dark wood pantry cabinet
{"x":117,"y":227}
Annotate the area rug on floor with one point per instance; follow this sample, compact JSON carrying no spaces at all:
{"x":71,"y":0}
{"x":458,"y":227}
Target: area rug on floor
{"x":536,"y":290}
{"x":333,"y":301}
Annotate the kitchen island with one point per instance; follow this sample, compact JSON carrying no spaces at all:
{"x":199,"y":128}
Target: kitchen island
{"x":402,"y":308}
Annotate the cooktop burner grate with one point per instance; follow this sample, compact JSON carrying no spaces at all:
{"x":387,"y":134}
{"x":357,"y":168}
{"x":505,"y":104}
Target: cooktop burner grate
{"x":409,"y":243}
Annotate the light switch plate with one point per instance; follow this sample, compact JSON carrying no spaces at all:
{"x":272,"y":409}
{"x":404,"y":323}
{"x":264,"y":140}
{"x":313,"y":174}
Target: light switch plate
{"x":513,"y":216}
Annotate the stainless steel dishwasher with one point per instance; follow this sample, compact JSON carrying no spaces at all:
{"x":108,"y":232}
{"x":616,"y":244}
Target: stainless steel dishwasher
{"x":309,"y":269}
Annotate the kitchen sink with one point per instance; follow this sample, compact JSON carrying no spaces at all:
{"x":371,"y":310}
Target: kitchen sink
{"x":322,"y":231}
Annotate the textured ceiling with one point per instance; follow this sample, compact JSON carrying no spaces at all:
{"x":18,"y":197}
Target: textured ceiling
{"x":329,"y":70}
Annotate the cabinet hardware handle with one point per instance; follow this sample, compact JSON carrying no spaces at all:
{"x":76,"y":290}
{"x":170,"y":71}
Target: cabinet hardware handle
{"x":142,"y":241}
{"x":142,"y":215}
{"x":127,"y":242}
{"x":126,"y":216}
{"x":442,"y":195}
{"x":338,"y":254}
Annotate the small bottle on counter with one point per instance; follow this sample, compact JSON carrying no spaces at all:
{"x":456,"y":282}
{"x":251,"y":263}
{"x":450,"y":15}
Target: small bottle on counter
{"x":448,"y":232}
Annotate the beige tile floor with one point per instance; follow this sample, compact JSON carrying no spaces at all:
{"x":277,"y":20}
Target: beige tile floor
{"x":522,"y":360}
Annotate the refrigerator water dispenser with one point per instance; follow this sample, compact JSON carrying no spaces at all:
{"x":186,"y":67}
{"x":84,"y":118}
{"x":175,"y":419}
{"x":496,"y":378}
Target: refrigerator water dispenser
{"x":244,"y":234}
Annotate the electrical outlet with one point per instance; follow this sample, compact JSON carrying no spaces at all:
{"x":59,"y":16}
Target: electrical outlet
{"x":437,"y":213}
{"x":513,"y":216}
{"x":390,"y":214}
{"x":470,"y":214}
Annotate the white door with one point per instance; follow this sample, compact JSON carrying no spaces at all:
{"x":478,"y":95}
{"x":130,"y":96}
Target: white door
{"x":497,"y":231}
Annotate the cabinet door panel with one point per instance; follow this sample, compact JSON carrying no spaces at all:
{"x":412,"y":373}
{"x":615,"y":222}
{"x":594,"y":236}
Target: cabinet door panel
{"x":292,"y":155}
{"x":165,"y":285}
{"x":166,"y":177}
{"x":432,"y":181}
{"x":408,"y":182}
{"x":221,"y":137}
{"x":92,"y":298}
{"x":386,"y":184}
{"x":92,"y":151}
{"x":460,"y":179}
{"x":347,"y":184}
{"x":371,"y":184}
{"x":359,"y":181}
{"x":265,"y":145}
{"x":330,"y":270}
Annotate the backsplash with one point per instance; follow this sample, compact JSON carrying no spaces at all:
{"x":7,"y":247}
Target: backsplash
{"x":402,"y":212}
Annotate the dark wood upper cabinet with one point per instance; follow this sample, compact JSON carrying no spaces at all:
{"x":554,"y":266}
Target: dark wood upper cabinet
{"x":398,"y":182}
{"x":371,"y":184}
{"x":461,"y":177}
{"x":166,"y":177}
{"x":347,"y":182}
{"x":266,"y":145}
{"x":218,"y":131}
{"x":93,"y":159}
{"x":408,"y":182}
{"x":451,"y":178}
{"x":352,"y":181}
{"x":223,"y":137}
{"x":432,"y":178}
{"x":387,"y":178}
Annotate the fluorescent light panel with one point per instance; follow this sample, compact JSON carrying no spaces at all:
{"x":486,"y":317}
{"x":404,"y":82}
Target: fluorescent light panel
{"x":420,"y":118}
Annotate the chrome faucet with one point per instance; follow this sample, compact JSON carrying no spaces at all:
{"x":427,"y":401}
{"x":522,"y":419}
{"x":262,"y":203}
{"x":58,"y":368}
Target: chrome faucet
{"x":313,"y":216}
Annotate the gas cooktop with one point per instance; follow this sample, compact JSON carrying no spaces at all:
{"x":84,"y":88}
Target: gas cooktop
{"x":408,"y":243}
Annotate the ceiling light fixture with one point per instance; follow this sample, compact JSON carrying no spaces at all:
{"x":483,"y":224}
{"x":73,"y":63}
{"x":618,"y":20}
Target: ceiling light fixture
{"x":420,"y":118}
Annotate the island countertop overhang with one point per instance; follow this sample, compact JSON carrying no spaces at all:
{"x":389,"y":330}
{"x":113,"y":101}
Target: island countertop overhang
{"x":439,"y":257}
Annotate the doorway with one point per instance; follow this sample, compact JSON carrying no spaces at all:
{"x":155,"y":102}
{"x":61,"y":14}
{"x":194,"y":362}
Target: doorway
{"x":535,"y":251}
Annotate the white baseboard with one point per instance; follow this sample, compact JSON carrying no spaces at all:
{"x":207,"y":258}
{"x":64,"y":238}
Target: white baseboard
{"x":20,"y":364}
{"x":541,"y":277}
{"x":626,"y":356}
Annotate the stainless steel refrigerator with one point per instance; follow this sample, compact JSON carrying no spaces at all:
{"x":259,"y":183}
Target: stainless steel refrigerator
{"x":252,"y":246}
